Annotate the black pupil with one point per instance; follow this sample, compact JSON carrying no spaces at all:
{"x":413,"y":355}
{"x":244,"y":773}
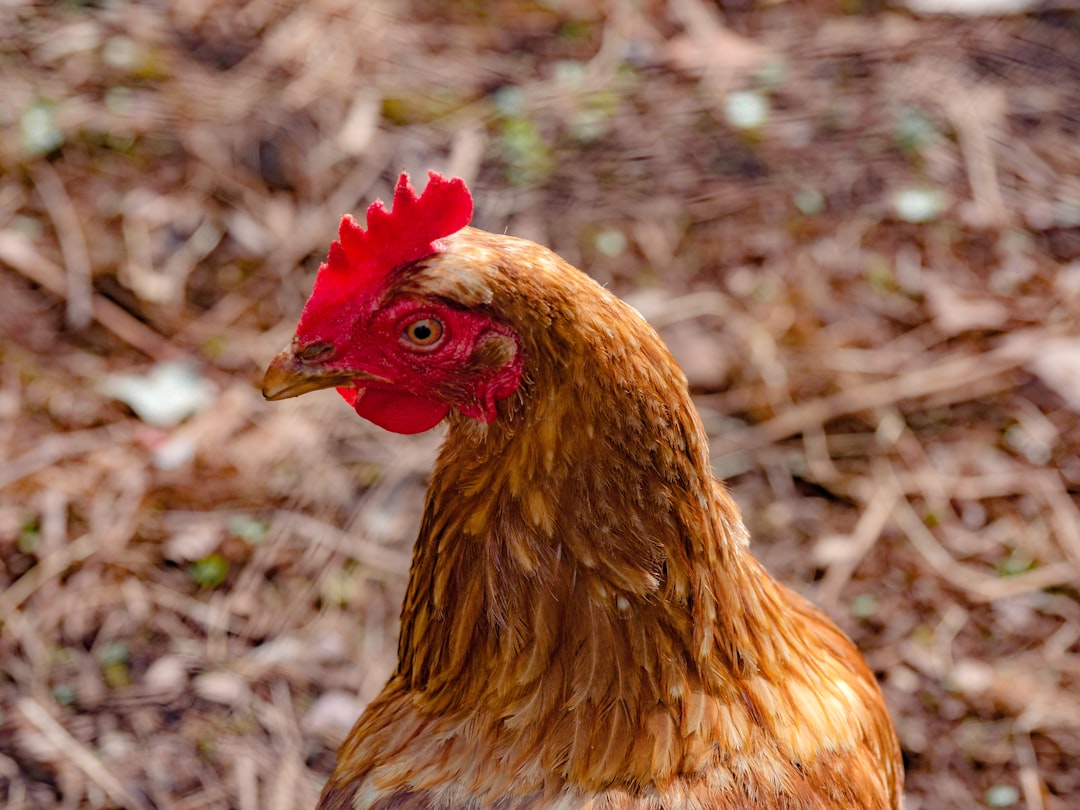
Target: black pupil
{"x":422,"y":331}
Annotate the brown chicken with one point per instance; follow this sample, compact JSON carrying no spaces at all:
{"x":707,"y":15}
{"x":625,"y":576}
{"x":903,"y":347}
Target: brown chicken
{"x":584,"y":626}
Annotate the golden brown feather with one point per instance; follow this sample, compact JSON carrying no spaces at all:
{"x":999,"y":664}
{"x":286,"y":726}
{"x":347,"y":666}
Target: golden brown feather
{"x":584,"y":627}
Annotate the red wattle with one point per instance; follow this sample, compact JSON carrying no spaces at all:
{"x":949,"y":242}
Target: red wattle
{"x":396,"y":411}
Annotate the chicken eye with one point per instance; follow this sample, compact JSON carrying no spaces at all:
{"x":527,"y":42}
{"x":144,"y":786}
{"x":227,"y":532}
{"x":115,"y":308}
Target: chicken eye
{"x":425,"y":333}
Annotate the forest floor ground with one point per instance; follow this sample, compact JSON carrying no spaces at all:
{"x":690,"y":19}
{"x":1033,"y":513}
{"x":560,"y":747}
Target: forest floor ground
{"x":857,"y":228}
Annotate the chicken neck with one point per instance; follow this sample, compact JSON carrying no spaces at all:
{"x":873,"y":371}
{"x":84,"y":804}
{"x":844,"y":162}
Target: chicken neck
{"x":578,"y":565}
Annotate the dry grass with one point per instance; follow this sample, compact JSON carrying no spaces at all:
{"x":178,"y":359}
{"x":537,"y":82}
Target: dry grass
{"x":192,"y":615}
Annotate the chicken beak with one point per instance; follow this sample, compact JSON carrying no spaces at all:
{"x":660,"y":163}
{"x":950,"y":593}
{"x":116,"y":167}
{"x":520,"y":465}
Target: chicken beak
{"x":289,"y":376}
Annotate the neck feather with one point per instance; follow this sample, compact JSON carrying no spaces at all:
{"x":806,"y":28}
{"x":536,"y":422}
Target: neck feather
{"x":582,"y":613}
{"x":579,"y":555}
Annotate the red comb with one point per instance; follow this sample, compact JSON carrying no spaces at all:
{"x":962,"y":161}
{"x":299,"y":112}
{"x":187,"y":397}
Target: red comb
{"x":360,"y":259}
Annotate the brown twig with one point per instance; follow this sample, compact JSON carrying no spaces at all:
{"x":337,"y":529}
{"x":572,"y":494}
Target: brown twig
{"x":388,"y":562}
{"x":79,"y":290}
{"x":1030,"y":782}
{"x":74,"y":752}
{"x":955,"y":375}
{"x":976,"y":113}
{"x":56,"y":448}
{"x":51,"y":565}
{"x":980,"y":587}
{"x":872,"y":522}
{"x":19,"y":254}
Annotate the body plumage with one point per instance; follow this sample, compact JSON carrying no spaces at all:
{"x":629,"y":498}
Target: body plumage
{"x":584,"y":626}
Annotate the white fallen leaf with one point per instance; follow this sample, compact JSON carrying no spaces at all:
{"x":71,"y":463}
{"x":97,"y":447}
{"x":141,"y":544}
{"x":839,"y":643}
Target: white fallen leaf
{"x":196,"y":540}
{"x":971,"y":677}
{"x":167,"y":675}
{"x":1057,"y":364}
{"x":165,"y":396}
{"x":919,"y":204}
{"x":746,"y":109}
{"x":226,"y":688}
{"x":173,"y":453}
{"x":972,"y":8}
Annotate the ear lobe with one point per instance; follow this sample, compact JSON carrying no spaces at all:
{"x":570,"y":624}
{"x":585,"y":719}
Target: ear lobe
{"x":496,"y":369}
{"x":494,"y":351}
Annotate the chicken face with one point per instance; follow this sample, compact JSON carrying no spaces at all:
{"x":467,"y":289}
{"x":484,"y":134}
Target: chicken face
{"x":401,"y":356}
{"x":403,"y":365}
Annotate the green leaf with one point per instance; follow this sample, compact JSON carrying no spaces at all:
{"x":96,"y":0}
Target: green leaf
{"x":209,"y":572}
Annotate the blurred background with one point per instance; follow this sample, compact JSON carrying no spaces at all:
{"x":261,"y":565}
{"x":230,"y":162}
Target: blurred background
{"x":857,"y":225}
